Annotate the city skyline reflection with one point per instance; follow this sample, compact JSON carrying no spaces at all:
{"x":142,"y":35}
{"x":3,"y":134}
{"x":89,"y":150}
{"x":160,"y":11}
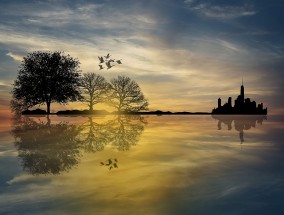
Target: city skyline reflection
{"x":240,"y":122}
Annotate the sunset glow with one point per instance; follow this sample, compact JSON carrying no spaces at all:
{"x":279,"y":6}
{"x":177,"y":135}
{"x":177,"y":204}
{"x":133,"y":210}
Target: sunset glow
{"x":183,"y":54}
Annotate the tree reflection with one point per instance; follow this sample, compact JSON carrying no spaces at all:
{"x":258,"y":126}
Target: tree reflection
{"x":95,"y":135}
{"x":46,"y":148}
{"x":51,"y":148}
{"x":241,"y":123}
{"x":126,"y":130}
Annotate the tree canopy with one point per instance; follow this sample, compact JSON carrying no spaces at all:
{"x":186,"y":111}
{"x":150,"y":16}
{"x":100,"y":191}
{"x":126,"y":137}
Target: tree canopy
{"x":126,"y":95}
{"x":46,"y":77}
{"x":94,"y":88}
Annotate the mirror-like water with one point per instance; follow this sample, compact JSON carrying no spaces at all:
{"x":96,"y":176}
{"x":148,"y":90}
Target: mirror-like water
{"x":142,"y":165}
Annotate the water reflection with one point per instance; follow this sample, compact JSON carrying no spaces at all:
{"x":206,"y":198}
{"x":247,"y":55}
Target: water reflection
{"x":51,"y":148}
{"x":126,"y":131}
{"x":241,"y":123}
{"x":46,"y":148}
{"x":180,"y":167}
{"x":95,"y":135}
{"x":110,"y":163}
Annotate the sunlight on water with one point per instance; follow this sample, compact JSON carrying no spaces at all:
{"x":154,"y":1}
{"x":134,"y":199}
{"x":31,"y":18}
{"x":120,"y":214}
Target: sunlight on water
{"x":142,"y":165}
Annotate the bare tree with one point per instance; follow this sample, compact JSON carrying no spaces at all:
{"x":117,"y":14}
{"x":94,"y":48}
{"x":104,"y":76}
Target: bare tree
{"x":95,"y":89}
{"x":126,"y":95}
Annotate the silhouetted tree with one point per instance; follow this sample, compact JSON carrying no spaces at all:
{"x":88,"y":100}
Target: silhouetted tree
{"x":95,"y":88}
{"x":126,"y":95}
{"x":46,"y":77}
{"x":18,"y":106}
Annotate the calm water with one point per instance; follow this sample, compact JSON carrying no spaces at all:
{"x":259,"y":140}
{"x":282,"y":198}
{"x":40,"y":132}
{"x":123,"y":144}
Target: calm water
{"x":142,"y":165}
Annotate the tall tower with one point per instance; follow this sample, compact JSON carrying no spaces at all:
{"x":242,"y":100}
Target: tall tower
{"x":219,"y":103}
{"x":230,"y":102}
{"x":242,"y":92}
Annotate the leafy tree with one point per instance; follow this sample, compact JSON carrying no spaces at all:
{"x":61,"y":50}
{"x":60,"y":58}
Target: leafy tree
{"x":95,"y":88}
{"x":46,"y":77}
{"x":126,"y":95}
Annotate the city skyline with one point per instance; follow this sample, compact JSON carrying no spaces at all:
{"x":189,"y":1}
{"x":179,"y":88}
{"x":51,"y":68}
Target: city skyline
{"x":183,"y":54}
{"x":242,"y":105}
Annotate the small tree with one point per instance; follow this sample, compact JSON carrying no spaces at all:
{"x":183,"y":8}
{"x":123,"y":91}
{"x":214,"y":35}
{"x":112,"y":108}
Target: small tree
{"x":46,"y":77}
{"x":95,"y":88}
{"x":126,"y":95}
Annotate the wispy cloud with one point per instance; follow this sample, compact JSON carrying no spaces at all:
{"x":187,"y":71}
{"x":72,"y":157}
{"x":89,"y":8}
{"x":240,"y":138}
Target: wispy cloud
{"x":14,"y":56}
{"x":220,"y":11}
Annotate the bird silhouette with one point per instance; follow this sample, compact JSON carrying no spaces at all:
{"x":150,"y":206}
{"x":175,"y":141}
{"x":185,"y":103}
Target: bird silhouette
{"x":101,"y":59}
{"x":106,"y":59}
{"x":109,"y":162}
{"x":119,"y":61}
{"x":108,"y":64}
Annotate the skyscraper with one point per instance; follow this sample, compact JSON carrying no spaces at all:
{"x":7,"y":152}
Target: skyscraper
{"x":242,"y":99}
{"x":242,"y":105}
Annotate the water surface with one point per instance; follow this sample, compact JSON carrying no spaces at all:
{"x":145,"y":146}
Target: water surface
{"x":142,"y":165}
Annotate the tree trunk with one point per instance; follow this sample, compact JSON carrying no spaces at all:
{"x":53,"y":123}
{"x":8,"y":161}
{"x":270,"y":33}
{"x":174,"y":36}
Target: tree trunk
{"x":48,"y":121}
{"x":91,"y":106}
{"x":48,"y":107}
{"x":91,"y":103}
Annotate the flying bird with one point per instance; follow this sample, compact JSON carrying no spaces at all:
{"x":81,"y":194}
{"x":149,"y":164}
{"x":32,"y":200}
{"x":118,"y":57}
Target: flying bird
{"x":106,"y":59}
{"x":101,"y":59}
{"x":108,"y":65}
{"x":108,"y":55}
{"x":118,"y":61}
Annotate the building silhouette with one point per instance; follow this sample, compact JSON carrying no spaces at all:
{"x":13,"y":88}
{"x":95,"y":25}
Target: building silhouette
{"x":242,"y":106}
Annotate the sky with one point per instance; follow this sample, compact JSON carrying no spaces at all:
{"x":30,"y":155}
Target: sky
{"x":184,"y":54}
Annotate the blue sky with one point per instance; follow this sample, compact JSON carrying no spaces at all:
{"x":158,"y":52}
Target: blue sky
{"x":184,"y":54}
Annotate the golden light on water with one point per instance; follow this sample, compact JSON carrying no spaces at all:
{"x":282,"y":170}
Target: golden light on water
{"x":158,"y":160}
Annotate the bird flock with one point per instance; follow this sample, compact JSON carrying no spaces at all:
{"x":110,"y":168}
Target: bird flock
{"x":110,"y":163}
{"x":107,"y":62}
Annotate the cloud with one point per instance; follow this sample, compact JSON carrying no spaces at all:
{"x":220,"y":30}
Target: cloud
{"x":228,"y":11}
{"x":189,"y":2}
{"x":220,"y":11}
{"x":15,"y":57}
